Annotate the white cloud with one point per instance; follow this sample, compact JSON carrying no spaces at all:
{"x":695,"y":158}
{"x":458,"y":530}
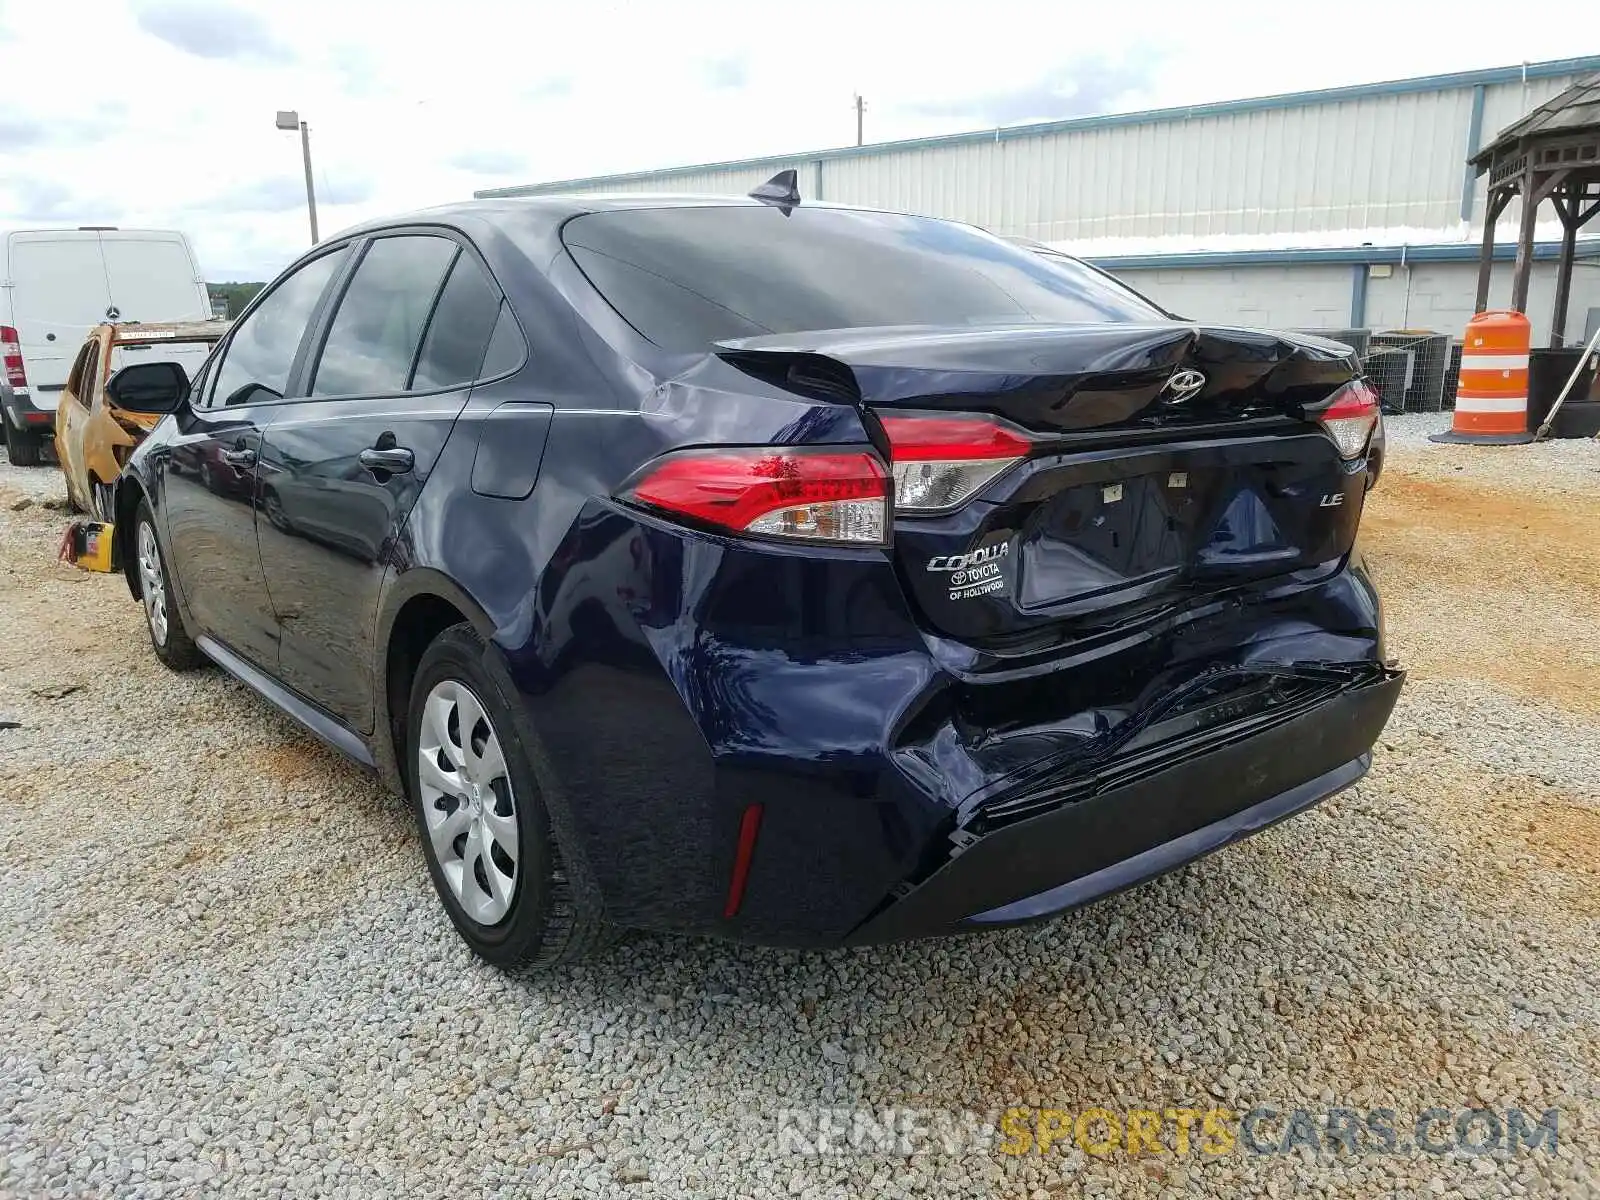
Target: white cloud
{"x":160,"y":112}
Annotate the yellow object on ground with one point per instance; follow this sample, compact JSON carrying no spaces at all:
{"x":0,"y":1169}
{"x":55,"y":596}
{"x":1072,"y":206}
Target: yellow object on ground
{"x":87,"y":544}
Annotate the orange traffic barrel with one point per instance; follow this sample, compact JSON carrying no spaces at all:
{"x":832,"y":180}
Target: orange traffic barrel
{"x":1492,"y":397}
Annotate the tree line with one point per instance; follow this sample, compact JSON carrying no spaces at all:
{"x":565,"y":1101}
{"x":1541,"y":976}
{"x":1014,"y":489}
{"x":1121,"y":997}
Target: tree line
{"x":234,"y":295}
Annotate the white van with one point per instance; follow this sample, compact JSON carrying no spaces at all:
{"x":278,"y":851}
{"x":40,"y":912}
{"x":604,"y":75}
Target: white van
{"x":60,"y":283}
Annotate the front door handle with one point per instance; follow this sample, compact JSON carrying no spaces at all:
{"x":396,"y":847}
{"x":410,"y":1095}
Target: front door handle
{"x":239,"y":458}
{"x":390,"y":460}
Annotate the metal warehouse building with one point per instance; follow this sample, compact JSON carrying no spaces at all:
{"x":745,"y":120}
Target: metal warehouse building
{"x":1344,"y":208}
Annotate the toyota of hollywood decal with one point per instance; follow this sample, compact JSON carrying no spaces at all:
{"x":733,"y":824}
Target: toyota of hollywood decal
{"x":974,"y":574}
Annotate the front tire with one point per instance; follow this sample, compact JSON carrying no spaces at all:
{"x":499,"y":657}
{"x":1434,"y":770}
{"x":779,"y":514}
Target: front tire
{"x":481,"y":816}
{"x":172,"y":643}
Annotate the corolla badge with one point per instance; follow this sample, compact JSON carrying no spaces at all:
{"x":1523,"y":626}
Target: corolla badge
{"x":1185,"y":384}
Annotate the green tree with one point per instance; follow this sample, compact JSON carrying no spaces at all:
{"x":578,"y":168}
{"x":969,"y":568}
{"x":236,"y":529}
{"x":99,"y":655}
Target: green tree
{"x":235,"y":295}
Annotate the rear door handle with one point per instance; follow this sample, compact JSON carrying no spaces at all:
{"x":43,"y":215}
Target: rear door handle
{"x":239,"y":458}
{"x":392,"y":460}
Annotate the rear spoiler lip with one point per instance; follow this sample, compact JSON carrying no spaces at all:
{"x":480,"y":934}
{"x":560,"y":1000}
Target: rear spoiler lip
{"x":878,"y":345}
{"x":1029,"y":373}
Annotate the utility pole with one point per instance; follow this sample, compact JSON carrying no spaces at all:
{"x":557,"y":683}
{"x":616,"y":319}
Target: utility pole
{"x":289,"y":120}
{"x":311,"y":191}
{"x":861,"y":107}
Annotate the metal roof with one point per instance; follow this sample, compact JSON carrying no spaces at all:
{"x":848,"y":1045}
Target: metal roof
{"x":1360,"y":91}
{"x":1574,"y":111}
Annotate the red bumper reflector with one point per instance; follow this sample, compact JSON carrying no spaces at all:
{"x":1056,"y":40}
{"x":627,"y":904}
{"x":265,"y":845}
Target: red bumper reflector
{"x":36,"y":418}
{"x":748,"y":827}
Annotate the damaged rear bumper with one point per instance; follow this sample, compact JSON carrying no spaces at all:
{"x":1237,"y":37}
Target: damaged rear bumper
{"x":1133,"y":831}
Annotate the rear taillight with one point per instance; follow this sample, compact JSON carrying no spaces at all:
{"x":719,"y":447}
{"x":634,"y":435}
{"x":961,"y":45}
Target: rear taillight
{"x":941,"y":462}
{"x":11,"y":352}
{"x":1351,"y":417}
{"x":790,"y":493}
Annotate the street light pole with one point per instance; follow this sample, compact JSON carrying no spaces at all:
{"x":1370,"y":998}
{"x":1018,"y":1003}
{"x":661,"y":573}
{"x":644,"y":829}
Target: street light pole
{"x":311,"y":191}
{"x":290,"y":120}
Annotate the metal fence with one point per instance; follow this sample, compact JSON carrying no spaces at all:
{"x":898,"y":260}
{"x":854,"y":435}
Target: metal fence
{"x":1408,"y":369}
{"x":1452,"y":375}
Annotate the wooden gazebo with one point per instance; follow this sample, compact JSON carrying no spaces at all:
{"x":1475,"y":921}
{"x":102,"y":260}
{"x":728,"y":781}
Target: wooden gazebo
{"x":1552,"y":153}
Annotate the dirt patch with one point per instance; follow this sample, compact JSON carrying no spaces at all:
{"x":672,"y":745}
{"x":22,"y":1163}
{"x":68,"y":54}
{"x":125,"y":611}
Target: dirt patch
{"x":1486,"y":583}
{"x":1567,"y":836}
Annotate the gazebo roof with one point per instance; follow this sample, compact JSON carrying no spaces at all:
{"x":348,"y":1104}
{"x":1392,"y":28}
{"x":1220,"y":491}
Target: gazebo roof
{"x":1571,"y":119}
{"x":1552,"y":154}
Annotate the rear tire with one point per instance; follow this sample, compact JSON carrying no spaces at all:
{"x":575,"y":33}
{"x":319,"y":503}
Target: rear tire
{"x":277,"y":517}
{"x":163,"y":621}
{"x":25,"y":449}
{"x":104,"y":500}
{"x":479,"y":810}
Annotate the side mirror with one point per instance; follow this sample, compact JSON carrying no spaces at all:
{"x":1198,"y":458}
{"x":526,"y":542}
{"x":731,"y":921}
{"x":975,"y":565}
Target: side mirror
{"x":157,"y":387}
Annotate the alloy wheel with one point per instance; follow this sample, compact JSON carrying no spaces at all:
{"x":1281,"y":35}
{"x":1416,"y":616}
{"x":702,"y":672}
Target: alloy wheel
{"x":152,"y":582}
{"x":467,"y":802}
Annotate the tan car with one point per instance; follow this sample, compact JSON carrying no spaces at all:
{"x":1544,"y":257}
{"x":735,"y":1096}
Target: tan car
{"x":94,"y":435}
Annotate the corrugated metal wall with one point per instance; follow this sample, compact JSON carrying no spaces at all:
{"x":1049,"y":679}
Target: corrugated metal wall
{"x":1393,"y":160}
{"x":1501,"y":106}
{"x":1383,"y":161}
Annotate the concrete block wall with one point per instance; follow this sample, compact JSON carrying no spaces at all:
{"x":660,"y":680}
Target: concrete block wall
{"x":1434,"y":296}
{"x":1439,"y":296}
{"x":1282,"y":297}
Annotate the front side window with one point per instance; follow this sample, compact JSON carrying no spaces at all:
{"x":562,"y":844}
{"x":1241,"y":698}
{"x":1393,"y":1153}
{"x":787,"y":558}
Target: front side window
{"x":255,"y":366}
{"x":688,"y":277}
{"x":197,"y":385}
{"x":376,"y":332}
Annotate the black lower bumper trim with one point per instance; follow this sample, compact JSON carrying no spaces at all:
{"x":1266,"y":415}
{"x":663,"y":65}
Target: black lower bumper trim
{"x":1080,"y":852}
{"x":1158,"y":860}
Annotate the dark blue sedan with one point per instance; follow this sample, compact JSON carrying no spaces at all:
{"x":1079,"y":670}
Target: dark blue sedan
{"x":779,"y":571}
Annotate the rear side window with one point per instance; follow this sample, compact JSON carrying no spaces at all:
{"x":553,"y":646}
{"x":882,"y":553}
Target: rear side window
{"x":459,"y":332}
{"x":93,"y":374}
{"x":506,"y":347}
{"x":687,"y":277}
{"x":81,"y":372}
{"x":375,"y":334}
{"x":255,"y":367}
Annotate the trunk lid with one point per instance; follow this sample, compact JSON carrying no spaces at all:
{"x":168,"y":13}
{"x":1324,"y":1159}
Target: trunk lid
{"x":1170,"y":463}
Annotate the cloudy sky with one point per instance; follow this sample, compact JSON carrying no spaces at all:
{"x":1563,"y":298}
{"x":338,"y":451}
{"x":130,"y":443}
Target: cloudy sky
{"x":160,"y":112}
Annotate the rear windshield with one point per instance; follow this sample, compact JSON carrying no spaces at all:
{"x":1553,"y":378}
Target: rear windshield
{"x":687,"y":277}
{"x":58,"y":283}
{"x":153,"y":280}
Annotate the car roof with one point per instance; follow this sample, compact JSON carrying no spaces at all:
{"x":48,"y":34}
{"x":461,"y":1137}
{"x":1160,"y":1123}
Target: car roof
{"x":553,"y":210}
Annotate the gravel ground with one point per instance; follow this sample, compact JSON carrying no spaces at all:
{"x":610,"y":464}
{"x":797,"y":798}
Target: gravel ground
{"x":224,"y":971}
